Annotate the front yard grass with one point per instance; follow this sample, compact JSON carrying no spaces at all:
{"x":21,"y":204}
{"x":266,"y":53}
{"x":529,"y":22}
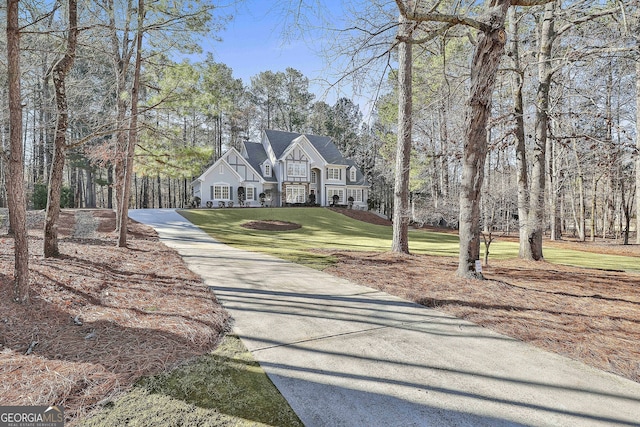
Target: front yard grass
{"x":325,"y":229}
{"x":224,"y":388}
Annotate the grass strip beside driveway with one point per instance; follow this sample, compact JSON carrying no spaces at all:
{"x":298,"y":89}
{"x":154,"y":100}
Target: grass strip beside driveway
{"x":225,"y":388}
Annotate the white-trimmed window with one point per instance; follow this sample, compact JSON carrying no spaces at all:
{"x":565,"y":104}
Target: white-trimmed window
{"x":221,"y":192}
{"x":352,"y":174}
{"x":356,"y":193}
{"x":334,"y":173}
{"x":296,"y":194}
{"x":296,"y":169}
{"x":250,"y":193}
{"x":336,"y":191}
{"x":314,"y":177}
{"x":267,"y":170}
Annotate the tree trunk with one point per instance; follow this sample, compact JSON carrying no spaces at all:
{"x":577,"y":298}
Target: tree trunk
{"x":626,"y":206}
{"x":90,"y":189}
{"x":638,"y":143}
{"x":582,"y":232}
{"x":400,"y":243}
{"x":594,"y":194}
{"x":553,"y":178}
{"x":517,"y":84}
{"x":145,"y":192}
{"x":133,"y":131}
{"x":73,"y":187}
{"x":60,"y":71}
{"x":110,"y":186}
{"x":484,"y":68}
{"x":444,"y":151}
{"x":535,"y":223}
{"x":122,"y":53}
{"x":159,"y":182}
{"x":15,"y":193}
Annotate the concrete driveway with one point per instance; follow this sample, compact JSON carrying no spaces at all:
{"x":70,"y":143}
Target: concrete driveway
{"x":347,"y":355}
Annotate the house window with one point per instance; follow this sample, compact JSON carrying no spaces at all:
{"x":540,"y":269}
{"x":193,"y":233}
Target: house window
{"x":250,"y":193}
{"x":352,"y":174}
{"x":355,"y":193}
{"x":296,"y":194}
{"x":314,"y":177}
{"x":221,"y":192}
{"x":267,"y":170}
{"x":296,"y":169}
{"x":333,"y":173}
{"x":336,"y":191}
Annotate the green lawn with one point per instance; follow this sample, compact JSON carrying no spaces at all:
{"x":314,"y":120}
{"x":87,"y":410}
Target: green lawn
{"x":226,"y":388}
{"x":325,"y":229}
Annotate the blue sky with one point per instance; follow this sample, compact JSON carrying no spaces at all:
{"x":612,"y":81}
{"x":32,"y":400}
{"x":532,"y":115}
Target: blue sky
{"x":262,"y":37}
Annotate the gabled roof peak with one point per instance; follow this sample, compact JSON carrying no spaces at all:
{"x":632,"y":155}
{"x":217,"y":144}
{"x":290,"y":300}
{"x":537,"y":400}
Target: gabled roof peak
{"x":281,"y":140}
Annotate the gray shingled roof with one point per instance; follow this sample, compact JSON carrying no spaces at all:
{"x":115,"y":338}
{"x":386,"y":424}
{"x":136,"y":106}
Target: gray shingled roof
{"x":280,"y":140}
{"x":257,"y":155}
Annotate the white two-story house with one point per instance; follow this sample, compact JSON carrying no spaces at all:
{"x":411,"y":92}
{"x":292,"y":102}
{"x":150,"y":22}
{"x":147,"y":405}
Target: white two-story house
{"x":287,"y":169}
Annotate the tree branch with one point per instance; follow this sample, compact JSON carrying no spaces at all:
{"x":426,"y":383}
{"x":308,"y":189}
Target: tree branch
{"x":441,"y":17}
{"x":586,"y":18}
{"x":529,"y":2}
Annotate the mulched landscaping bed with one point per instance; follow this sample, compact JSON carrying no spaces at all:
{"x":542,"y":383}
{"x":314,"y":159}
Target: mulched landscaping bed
{"x":271,"y":225}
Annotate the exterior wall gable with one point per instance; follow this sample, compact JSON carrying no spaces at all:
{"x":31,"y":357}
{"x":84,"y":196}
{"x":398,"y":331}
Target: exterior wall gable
{"x":295,"y":163}
{"x":213,"y":168}
{"x":315,"y":158}
{"x":297,"y":153}
{"x":241,"y":166}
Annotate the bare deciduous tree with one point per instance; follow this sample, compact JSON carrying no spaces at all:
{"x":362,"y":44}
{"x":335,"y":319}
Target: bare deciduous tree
{"x":60,"y":71}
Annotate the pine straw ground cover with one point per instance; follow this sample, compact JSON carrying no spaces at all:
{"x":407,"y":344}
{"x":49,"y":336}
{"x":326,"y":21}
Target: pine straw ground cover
{"x":142,"y":312}
{"x":585,"y":314}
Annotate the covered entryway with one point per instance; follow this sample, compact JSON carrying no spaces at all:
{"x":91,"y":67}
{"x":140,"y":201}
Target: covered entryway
{"x":315,"y":186}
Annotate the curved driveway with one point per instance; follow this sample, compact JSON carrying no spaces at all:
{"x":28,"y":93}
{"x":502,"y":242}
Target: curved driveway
{"x":347,"y":355}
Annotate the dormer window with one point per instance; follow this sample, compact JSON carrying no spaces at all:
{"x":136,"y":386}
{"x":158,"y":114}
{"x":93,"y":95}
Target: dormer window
{"x":267,"y":170}
{"x":352,"y":174}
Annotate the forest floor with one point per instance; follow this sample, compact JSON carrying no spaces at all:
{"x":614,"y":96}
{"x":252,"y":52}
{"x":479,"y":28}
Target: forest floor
{"x":142,"y":311}
{"x":100,"y":317}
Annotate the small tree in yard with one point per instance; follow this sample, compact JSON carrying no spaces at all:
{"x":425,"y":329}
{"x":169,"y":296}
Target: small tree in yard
{"x":499,"y":218}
